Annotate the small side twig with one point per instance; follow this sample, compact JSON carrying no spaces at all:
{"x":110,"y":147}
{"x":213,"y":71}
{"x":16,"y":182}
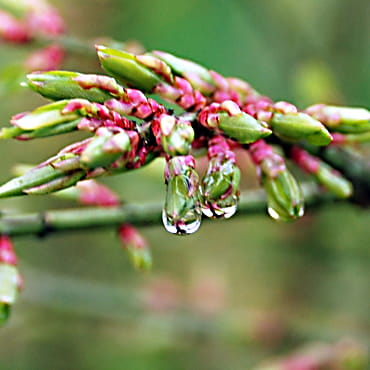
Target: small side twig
{"x":52,"y":221}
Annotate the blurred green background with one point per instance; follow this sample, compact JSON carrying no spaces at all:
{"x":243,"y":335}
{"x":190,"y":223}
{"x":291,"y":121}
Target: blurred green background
{"x":236,"y":293}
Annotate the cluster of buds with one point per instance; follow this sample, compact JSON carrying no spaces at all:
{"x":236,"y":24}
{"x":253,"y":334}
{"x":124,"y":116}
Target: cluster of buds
{"x":26,"y":21}
{"x":218,"y":114}
{"x":10,"y":279}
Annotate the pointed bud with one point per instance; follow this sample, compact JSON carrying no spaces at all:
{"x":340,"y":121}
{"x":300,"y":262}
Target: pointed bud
{"x":243,"y":128}
{"x":58,"y":85}
{"x":230,"y":120}
{"x":300,"y":126}
{"x":105,"y":148}
{"x":334,"y":181}
{"x":7,"y":253}
{"x":341,"y":119}
{"x":136,"y":246}
{"x":59,"y":129}
{"x":182,"y":210}
{"x":90,"y":192}
{"x":12,"y":29}
{"x":323,"y":173}
{"x":45,"y":59}
{"x":363,"y":137}
{"x":44,"y":174}
{"x":157,"y":66}
{"x":127,"y":69}
{"x":284,"y":196}
{"x":174,"y":135}
{"x":58,"y":184}
{"x":220,"y":185}
{"x":44,"y":116}
{"x":199,"y":77}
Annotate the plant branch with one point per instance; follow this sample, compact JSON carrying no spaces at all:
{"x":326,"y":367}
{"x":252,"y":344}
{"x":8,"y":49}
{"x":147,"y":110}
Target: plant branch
{"x":252,"y":202}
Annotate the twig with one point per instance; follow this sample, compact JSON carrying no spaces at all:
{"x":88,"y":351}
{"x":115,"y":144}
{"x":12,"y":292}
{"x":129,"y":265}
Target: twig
{"x":52,"y":221}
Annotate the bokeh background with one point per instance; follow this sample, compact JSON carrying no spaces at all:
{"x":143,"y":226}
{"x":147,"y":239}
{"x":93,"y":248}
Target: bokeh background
{"x":237,"y":293}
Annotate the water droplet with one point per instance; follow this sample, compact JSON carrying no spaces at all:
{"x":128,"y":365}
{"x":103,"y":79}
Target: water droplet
{"x":229,"y":211}
{"x":219,"y":212}
{"x":298,"y":211}
{"x":181,"y":227}
{"x":274,"y":214}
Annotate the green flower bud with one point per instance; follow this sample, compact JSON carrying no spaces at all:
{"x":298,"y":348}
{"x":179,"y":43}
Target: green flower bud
{"x":300,"y":126}
{"x":57,"y":184}
{"x":342,"y":119}
{"x":136,"y":246}
{"x":284,"y":196}
{"x":127,"y":69}
{"x":36,"y":176}
{"x":220,"y":188}
{"x":175,"y":135}
{"x":182,"y":210}
{"x":242,"y":127}
{"x":199,"y":77}
{"x":58,"y":85}
{"x":9,"y":282}
{"x":105,"y":149}
{"x":333,"y":181}
{"x":44,"y":116}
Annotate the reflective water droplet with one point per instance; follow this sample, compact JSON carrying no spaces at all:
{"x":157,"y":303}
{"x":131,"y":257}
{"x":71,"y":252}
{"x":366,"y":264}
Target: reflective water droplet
{"x":298,"y":211}
{"x":180,"y":227}
{"x":274,"y":214}
{"x":218,"y":212}
{"x":229,"y":211}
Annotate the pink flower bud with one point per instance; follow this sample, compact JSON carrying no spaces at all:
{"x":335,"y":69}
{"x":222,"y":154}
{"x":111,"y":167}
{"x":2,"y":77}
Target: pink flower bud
{"x":7,"y":254}
{"x":136,"y":246}
{"x":11,"y":29}
{"x":47,"y":22}
{"x":93,"y":193}
{"x":45,"y":59}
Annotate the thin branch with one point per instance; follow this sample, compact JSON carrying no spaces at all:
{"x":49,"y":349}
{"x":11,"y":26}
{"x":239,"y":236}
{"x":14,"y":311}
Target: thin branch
{"x":52,"y":221}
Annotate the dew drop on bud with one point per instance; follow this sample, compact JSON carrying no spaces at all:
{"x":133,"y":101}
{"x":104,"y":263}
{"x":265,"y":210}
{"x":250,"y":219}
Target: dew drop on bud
{"x":181,"y":227}
{"x":219,"y":212}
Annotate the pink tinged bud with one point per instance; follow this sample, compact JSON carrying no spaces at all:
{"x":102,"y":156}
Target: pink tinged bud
{"x":7,"y":253}
{"x":182,"y":209}
{"x":307,"y":162}
{"x":105,"y":83}
{"x":45,"y":59}
{"x":44,"y":116}
{"x":240,"y":86}
{"x":220,"y":185}
{"x":9,"y":286}
{"x":342,"y":119}
{"x":331,"y":179}
{"x":136,"y":246}
{"x":47,"y":22}
{"x":285,"y":107}
{"x":93,"y":193}
{"x":338,"y":138}
{"x":264,"y":116}
{"x":157,"y":65}
{"x":220,"y":81}
{"x":198,"y":76}
{"x":230,"y":107}
{"x":10,"y":282}
{"x":11,"y":29}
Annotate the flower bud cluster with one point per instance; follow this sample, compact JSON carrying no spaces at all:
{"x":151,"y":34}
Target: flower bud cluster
{"x":219,"y":114}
